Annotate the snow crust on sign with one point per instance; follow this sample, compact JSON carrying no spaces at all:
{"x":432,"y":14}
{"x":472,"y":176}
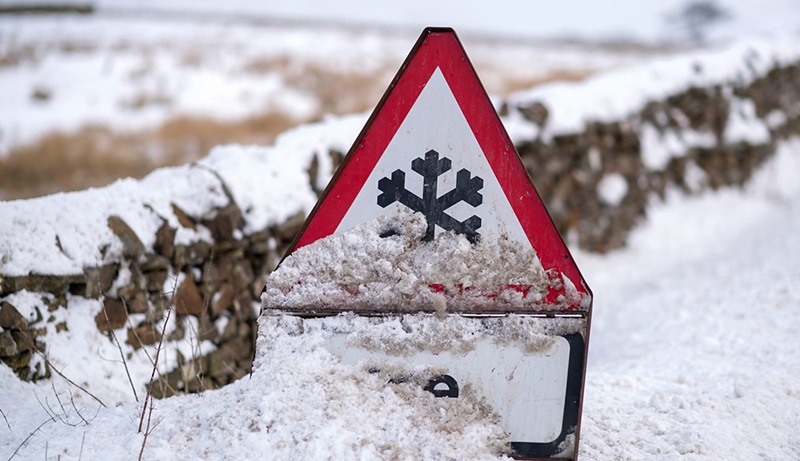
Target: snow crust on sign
{"x":384,"y":265}
{"x":409,"y":334}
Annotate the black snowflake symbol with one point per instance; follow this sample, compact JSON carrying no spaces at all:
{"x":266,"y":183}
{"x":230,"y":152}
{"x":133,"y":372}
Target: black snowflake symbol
{"x":433,"y":206}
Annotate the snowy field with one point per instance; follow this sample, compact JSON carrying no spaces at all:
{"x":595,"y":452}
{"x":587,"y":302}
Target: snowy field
{"x":136,"y":71}
{"x":694,"y":353}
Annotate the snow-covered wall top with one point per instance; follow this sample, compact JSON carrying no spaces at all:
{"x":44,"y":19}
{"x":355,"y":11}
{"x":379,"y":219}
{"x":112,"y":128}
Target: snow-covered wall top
{"x":65,"y":233}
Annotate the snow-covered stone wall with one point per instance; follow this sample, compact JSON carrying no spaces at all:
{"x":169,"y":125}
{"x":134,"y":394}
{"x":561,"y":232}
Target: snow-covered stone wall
{"x":599,"y":151}
{"x":200,"y":239}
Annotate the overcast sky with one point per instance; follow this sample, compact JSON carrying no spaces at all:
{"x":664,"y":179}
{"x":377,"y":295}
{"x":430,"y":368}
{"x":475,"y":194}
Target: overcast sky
{"x":572,"y":18}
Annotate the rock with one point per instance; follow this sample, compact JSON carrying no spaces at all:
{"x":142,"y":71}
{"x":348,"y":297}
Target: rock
{"x":134,"y":285}
{"x":258,"y":244}
{"x":136,"y":302}
{"x":42,"y":283}
{"x":99,"y":280}
{"x":24,"y":340}
{"x":154,"y":281}
{"x":10,"y":318}
{"x":165,"y":240}
{"x":183,"y":218}
{"x":132,"y":246}
{"x":143,"y":335}
{"x":188,"y":300}
{"x":290,"y":227}
{"x":8,"y":347}
{"x":534,"y":112}
{"x":154,"y":262}
{"x":207,"y":330}
{"x":231,"y":330}
{"x":191,"y":255}
{"x":242,"y":275}
{"x":220,"y":269}
{"x":313,"y":171}
{"x":222,"y":300}
{"x":53,"y":304}
{"x":112,"y":316}
{"x":20,"y":360}
{"x":225,"y":222}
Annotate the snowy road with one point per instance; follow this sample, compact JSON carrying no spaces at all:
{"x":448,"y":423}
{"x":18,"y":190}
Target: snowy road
{"x":694,"y":350}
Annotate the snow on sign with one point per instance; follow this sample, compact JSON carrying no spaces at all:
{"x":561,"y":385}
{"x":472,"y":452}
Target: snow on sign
{"x":446,"y":272}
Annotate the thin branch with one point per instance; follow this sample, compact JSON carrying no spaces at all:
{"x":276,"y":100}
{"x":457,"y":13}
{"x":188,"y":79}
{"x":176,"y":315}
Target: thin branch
{"x":28,"y":438}
{"x":50,"y":364}
{"x":149,"y":395}
{"x":6,"y":419}
{"x":72,"y":401}
{"x":155,"y":366}
{"x":160,"y":346}
{"x":122,"y":354}
{"x":58,"y":399}
{"x":83,"y":439}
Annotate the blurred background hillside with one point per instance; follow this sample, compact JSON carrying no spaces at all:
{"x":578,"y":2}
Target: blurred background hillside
{"x":94,"y":91}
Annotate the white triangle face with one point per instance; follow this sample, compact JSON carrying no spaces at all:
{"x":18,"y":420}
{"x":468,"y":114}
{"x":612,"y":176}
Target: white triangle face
{"x":436,"y":123}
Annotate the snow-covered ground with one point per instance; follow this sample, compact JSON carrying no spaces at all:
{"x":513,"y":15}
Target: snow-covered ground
{"x":693,"y":355}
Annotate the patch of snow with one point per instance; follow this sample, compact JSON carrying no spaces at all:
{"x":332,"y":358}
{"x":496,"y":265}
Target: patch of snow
{"x":612,"y":189}
{"x":744,"y":125}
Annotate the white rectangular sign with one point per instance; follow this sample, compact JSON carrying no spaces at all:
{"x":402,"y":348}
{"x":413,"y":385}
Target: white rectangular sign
{"x":527,"y":369}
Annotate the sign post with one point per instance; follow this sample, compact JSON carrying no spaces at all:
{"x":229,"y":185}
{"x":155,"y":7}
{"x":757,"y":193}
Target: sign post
{"x":435,"y":166}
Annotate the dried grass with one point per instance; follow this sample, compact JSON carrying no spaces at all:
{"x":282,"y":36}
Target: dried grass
{"x":96,"y":155}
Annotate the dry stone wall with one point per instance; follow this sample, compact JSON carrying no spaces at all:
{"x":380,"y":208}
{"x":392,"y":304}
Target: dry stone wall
{"x":569,"y":168}
{"x":222,"y":280}
{"x":210,"y":282}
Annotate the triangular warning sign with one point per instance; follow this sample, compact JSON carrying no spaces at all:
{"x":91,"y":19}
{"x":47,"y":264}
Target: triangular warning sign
{"x":436,"y":145}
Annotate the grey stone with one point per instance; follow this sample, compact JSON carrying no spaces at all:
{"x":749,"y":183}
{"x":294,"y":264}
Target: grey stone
{"x":99,"y":280}
{"x":165,"y":240}
{"x":112,"y":316}
{"x":183,"y":218}
{"x":225,"y":222}
{"x":191,"y":255}
{"x":143,"y":335}
{"x":10,"y":318}
{"x":132,"y":246}
{"x":8,"y":347}
{"x":188,"y":300}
